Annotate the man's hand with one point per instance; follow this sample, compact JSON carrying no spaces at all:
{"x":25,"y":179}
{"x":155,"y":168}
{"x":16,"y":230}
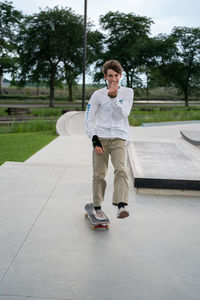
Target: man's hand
{"x":99,"y":150}
{"x":112,"y":91}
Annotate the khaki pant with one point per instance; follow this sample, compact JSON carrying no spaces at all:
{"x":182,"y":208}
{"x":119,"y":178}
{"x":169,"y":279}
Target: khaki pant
{"x":116,"y":147}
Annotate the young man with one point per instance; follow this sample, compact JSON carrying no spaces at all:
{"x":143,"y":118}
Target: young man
{"x":108,"y":127}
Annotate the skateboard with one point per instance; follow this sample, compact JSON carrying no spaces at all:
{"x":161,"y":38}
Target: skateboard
{"x":95,"y":223}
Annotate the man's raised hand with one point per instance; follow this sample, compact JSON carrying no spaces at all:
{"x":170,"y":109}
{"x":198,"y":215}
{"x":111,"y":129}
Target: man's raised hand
{"x":112,"y":91}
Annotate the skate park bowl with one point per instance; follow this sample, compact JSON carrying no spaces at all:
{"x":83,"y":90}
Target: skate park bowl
{"x":71,"y":123}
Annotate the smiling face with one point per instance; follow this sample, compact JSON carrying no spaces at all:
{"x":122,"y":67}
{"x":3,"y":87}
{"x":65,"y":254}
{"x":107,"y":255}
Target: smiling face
{"x":113,"y":78}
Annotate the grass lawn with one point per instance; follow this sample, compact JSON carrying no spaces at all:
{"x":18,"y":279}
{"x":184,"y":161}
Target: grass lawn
{"x":42,"y":111}
{"x":20,"y":146}
{"x":140,"y":115}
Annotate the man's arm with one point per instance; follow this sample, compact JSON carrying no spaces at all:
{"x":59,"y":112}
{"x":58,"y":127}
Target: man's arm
{"x":122,"y":107}
{"x":90,"y":116}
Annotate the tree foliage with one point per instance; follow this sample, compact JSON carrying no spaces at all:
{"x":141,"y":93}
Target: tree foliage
{"x":45,"y":41}
{"x":9,"y":21}
{"x":51,"y":47}
{"x":187,"y":58}
{"x":126,"y":34}
{"x":179,"y":63}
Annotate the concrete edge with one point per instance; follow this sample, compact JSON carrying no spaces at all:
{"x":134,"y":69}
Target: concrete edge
{"x":167,"y":192}
{"x":189,"y":139}
{"x":136,"y":174}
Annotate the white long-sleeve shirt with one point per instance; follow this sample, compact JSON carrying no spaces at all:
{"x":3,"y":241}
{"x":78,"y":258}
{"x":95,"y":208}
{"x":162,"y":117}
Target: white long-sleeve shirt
{"x":108,"y":117}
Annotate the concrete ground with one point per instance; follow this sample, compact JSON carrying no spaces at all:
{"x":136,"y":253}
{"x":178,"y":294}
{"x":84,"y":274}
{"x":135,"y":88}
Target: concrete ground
{"x":48,"y":250}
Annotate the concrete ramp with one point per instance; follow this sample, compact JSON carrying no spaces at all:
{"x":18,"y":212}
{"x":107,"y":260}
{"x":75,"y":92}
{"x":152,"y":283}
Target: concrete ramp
{"x":71,"y":123}
{"x":191,"y":136}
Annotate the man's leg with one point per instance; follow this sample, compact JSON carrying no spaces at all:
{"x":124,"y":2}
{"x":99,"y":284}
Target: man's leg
{"x":100,"y":166}
{"x":118,"y":158}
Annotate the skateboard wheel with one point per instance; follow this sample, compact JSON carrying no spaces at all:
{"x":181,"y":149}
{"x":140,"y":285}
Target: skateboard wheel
{"x":86,"y":215}
{"x":93,"y":227}
{"x":107,"y":227}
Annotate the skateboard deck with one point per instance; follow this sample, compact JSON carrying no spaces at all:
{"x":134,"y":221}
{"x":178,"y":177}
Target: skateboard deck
{"x":95,"y":223}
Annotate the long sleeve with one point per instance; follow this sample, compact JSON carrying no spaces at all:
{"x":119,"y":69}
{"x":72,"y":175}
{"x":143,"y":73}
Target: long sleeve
{"x":90,"y":116}
{"x":122,"y":107}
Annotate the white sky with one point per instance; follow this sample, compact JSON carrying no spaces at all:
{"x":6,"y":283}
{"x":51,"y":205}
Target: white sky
{"x":165,"y":13}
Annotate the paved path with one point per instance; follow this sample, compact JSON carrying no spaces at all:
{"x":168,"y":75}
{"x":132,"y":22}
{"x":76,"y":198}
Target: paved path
{"x":48,"y":250}
{"x":28,"y":105}
{"x":137,"y":102}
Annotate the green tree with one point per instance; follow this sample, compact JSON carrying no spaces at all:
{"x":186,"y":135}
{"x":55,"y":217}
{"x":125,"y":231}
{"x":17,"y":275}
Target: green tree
{"x":43,"y":40}
{"x":9,"y":21}
{"x":73,"y":63}
{"x":156,"y":53}
{"x":180,"y":62}
{"x":51,"y":47}
{"x":187,"y":60}
{"x":126,"y":34}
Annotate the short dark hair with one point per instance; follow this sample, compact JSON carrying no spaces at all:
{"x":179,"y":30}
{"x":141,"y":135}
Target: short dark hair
{"x":113,"y":65}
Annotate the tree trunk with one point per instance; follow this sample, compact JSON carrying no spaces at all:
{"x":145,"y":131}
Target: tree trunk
{"x":69,"y":77}
{"x":127,"y":79}
{"x":186,"y":97}
{"x":131,"y":81}
{"x":52,"y":81}
{"x":147,"y":88}
{"x":37,"y":89}
{"x":70,"y":91}
{"x":1,"y":83}
{"x":147,"y":91}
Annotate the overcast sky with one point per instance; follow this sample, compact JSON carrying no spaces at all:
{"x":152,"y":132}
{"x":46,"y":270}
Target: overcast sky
{"x":165,"y":13}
